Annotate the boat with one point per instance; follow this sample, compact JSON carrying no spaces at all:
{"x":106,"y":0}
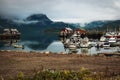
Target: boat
{"x":106,"y":44}
{"x":118,"y":50}
{"x":112,"y":40}
{"x":112,"y":35}
{"x":74,"y":39}
{"x":18,"y":46}
{"x":85,"y":43}
{"x":102,"y":39}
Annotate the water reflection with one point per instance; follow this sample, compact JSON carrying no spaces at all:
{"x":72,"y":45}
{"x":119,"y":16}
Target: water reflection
{"x":84,"y":50}
{"x":92,"y":50}
{"x":98,"y":48}
{"x":55,"y":46}
{"x":9,"y":42}
{"x":73,"y":50}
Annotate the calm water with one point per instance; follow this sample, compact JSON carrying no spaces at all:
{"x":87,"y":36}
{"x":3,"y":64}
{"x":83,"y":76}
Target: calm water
{"x":55,"y":46}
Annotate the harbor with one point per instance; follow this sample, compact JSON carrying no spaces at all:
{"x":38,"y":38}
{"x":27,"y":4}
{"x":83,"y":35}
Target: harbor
{"x":75,"y":41}
{"x":79,"y":40}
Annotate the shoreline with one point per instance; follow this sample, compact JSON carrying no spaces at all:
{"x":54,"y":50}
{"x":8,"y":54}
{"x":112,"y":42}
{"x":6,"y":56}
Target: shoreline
{"x":49,"y":52}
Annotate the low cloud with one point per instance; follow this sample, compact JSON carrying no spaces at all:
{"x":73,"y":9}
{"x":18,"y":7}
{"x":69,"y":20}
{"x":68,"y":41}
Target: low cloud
{"x":63,"y":10}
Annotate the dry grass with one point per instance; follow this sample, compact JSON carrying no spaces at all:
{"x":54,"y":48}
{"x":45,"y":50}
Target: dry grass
{"x":13,"y":62}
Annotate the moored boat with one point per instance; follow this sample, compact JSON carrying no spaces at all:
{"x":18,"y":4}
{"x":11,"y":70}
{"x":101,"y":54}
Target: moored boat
{"x":18,"y":46}
{"x":72,"y":47}
{"x":112,"y":35}
{"x":102,"y":39}
{"x":106,"y":44}
{"x":112,"y":40}
{"x":85,"y":43}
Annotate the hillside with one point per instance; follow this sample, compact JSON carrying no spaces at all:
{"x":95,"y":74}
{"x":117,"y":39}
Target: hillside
{"x":103,"y":25}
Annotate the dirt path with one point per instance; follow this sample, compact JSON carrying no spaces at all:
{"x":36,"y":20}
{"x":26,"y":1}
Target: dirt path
{"x":12,"y":63}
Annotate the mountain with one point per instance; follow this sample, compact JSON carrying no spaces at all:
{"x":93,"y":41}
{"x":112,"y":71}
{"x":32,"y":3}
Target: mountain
{"x":112,"y":26}
{"x":36,"y":27}
{"x":103,"y":25}
{"x":38,"y":17}
{"x":95,"y":24}
{"x":41,"y":18}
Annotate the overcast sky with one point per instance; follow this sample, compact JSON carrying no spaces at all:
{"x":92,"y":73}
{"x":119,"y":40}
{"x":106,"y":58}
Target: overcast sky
{"x":63,"y":10}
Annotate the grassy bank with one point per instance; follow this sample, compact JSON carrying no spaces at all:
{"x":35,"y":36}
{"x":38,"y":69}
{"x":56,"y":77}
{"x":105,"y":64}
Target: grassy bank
{"x":83,"y":74}
{"x":43,"y":66}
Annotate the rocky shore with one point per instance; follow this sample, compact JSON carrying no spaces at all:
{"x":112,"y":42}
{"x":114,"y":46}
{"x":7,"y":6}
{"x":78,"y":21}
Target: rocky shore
{"x":12,"y":62}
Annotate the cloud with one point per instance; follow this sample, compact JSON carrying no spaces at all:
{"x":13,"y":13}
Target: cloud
{"x":63,"y":10}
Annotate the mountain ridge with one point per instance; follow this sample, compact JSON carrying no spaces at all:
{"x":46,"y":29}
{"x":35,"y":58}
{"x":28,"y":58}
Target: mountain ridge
{"x":102,"y":25}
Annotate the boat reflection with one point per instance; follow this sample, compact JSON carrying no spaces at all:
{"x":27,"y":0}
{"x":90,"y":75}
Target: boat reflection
{"x":9,"y":42}
{"x":98,"y":48}
{"x":84,"y":50}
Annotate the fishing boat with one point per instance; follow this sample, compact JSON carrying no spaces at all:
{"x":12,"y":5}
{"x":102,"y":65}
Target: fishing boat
{"x":85,"y":43}
{"x":72,"y":47}
{"x":112,"y":35}
{"x":112,"y":40}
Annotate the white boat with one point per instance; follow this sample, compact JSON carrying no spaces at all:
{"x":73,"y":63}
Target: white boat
{"x":112,"y":40}
{"x":72,"y":46}
{"x":112,"y":34}
{"x":18,"y":46}
{"x":118,"y":50}
{"x":85,"y":43}
{"x":102,"y":39}
{"x":106,"y":44}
